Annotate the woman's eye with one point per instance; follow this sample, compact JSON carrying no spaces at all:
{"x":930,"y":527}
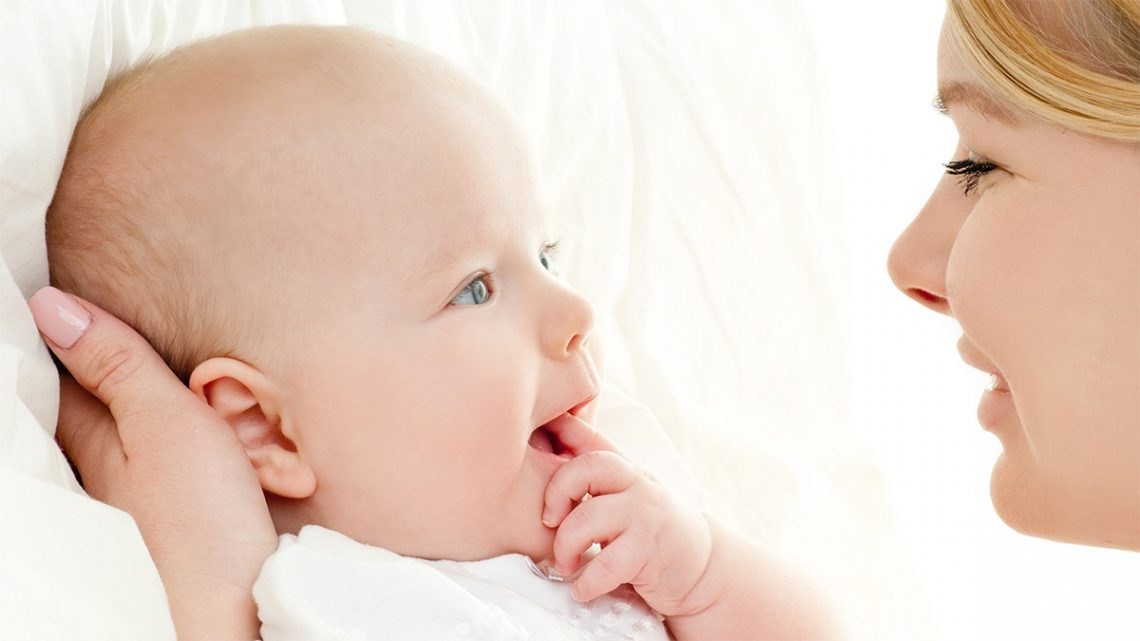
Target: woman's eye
{"x":475,"y":293}
{"x":970,"y":170}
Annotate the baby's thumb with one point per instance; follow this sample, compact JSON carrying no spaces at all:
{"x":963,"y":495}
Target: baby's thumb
{"x":108,"y":358}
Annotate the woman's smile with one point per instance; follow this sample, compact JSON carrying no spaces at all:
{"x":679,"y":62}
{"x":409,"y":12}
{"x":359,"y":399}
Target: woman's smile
{"x":997,"y":403}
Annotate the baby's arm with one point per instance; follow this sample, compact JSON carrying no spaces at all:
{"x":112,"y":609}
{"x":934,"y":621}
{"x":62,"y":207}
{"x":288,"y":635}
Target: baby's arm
{"x":709,"y":582}
{"x":747,"y":592}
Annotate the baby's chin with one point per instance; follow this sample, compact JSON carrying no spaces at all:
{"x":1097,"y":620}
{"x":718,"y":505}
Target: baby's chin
{"x":529,"y":538}
{"x":537,"y":543}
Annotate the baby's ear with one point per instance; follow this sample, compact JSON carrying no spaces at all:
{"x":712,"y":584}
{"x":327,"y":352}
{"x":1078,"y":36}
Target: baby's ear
{"x":249,"y":403}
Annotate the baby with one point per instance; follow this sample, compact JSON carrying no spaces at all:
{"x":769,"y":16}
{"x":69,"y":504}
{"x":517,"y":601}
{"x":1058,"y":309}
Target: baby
{"x":336,"y":240}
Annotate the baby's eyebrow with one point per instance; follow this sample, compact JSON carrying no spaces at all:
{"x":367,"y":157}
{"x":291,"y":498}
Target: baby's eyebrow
{"x":428,"y":274}
{"x":431,"y":270}
{"x":974,"y":97}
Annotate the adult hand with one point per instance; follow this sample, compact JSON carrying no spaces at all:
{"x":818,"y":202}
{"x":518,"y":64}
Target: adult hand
{"x":144,"y":443}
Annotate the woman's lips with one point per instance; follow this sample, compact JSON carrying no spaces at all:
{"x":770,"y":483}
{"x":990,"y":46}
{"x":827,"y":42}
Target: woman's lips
{"x":997,"y":402}
{"x":996,"y":405}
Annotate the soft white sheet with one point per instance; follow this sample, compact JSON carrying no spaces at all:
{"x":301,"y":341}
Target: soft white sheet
{"x":321,"y":585}
{"x":677,"y":140}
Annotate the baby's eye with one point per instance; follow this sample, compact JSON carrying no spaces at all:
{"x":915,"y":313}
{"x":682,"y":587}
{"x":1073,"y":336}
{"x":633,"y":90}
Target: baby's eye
{"x":546,"y":257}
{"x":475,"y":293}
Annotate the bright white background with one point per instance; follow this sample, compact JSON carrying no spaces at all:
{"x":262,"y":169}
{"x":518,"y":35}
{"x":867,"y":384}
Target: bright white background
{"x":915,"y":401}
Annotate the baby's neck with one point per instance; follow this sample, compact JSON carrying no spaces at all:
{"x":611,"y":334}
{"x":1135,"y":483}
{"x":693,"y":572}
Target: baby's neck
{"x":289,"y":515}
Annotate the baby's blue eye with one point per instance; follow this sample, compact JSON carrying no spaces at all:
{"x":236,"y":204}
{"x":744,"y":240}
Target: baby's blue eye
{"x":546,"y":257}
{"x":476,"y":293}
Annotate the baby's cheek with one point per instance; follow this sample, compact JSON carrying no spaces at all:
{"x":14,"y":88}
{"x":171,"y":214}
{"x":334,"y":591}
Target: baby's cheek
{"x":595,"y":347}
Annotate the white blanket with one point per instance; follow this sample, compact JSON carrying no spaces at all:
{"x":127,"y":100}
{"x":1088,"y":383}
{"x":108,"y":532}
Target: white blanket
{"x":323,"y":585}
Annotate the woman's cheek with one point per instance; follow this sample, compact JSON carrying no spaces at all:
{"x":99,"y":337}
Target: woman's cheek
{"x":979,"y":284}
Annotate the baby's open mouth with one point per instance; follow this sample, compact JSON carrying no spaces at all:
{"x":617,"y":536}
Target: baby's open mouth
{"x":544,"y":440}
{"x":548,"y":437}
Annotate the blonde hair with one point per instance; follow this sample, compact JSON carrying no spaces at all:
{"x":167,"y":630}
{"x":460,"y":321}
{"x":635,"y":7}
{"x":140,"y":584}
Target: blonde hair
{"x":1081,"y":70}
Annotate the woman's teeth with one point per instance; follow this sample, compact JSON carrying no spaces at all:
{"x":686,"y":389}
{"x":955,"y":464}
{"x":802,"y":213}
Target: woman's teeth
{"x":998,"y":384}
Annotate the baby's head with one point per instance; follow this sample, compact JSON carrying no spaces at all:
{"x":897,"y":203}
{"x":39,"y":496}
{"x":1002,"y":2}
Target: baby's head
{"x":336,"y":240}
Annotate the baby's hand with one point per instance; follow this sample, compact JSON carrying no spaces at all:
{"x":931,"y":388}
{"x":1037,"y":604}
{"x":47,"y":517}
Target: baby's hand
{"x":650,"y":537}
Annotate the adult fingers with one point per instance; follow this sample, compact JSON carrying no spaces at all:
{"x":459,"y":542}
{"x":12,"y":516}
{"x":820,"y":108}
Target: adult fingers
{"x":86,"y":432}
{"x":595,"y":473}
{"x":110,"y":360}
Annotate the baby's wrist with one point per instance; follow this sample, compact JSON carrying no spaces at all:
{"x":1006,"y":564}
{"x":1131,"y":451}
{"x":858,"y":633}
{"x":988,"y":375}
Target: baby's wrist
{"x":710,"y":585}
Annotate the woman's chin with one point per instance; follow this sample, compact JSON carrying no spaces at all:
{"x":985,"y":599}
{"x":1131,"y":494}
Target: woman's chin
{"x":1030,"y":504}
{"x":1010,"y":495}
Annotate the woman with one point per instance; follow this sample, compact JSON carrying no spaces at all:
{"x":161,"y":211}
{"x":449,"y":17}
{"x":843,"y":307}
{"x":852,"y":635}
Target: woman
{"x":1032,"y":242}
{"x":1038,"y":261}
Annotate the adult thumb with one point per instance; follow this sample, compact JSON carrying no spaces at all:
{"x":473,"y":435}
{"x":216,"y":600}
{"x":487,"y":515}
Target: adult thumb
{"x":108,"y":358}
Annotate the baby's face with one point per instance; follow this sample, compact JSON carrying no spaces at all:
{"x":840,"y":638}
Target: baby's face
{"x":429,"y":336}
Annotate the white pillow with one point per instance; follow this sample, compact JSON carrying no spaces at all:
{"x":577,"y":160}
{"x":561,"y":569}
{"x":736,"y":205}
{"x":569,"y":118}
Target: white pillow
{"x":72,"y":568}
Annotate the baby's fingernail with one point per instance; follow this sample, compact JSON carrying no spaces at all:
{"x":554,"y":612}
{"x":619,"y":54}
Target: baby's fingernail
{"x":59,"y":317}
{"x":547,"y":518}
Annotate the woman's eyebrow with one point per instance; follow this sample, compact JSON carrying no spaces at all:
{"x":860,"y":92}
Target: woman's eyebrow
{"x":975,"y":98}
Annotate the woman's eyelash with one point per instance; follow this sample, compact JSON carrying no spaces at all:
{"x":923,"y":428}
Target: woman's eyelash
{"x":970,"y":170}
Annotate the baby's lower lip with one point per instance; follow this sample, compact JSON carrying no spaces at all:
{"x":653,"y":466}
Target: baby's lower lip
{"x":549,"y":459}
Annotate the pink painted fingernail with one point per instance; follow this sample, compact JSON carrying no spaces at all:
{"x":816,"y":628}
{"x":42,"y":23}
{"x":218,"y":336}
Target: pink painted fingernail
{"x":59,"y":317}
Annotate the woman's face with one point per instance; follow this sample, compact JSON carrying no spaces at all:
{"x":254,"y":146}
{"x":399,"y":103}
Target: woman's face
{"x":1038,"y":258}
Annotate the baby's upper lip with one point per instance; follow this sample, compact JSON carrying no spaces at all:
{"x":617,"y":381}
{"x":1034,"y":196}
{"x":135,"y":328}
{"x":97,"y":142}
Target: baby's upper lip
{"x":591,"y":394}
{"x":578,"y":408}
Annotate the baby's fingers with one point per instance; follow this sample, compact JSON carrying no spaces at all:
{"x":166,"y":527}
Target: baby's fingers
{"x":593,"y":473}
{"x":599,"y":520}
{"x":578,"y":435}
{"x":619,"y":562}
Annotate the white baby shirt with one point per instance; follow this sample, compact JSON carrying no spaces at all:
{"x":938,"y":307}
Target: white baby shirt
{"x":323,"y":585}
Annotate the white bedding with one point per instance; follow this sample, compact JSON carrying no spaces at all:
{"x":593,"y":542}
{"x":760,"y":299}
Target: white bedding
{"x":323,"y":586}
{"x":675,"y":141}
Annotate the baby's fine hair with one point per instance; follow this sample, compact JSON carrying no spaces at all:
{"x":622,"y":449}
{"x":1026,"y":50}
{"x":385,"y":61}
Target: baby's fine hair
{"x":117,"y":226}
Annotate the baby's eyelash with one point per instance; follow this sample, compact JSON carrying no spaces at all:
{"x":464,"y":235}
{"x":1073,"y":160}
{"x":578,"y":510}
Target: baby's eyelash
{"x":547,"y":255}
{"x":486,"y":282}
{"x":487,"y":289}
{"x":970,"y":170}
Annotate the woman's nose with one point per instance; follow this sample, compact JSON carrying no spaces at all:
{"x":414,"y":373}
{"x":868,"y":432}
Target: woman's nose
{"x":568,"y":321}
{"x":917,"y":262}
